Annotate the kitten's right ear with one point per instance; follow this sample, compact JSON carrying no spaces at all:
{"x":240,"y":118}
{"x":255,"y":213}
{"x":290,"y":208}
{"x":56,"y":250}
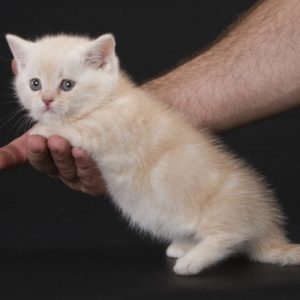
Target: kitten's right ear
{"x":20,"y":49}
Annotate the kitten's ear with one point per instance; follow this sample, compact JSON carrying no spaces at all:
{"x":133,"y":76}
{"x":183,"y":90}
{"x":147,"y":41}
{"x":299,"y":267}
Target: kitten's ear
{"x":101,"y":51}
{"x":20,"y":49}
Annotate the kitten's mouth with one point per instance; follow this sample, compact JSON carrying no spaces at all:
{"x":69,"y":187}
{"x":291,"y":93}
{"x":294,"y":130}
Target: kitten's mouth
{"x":48,"y":109}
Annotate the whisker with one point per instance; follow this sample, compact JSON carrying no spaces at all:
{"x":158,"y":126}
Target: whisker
{"x":28,"y":123}
{"x":8,"y":102}
{"x":17,"y":125}
{"x":21,"y":127}
{"x":10,"y":116}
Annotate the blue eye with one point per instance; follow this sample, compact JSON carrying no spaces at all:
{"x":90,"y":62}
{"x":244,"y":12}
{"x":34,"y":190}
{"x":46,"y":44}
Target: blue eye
{"x":66,"y":85}
{"x":35,"y":84}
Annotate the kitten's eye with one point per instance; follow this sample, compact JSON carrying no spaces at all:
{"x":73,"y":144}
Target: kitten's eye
{"x":35,"y":84}
{"x":66,"y":85}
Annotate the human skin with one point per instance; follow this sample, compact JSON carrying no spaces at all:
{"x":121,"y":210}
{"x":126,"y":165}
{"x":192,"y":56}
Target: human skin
{"x":250,"y":73}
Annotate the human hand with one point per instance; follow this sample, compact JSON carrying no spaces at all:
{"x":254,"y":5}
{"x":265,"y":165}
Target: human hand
{"x":55,"y":157}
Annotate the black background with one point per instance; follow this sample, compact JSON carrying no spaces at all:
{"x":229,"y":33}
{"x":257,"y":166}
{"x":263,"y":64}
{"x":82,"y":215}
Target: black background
{"x":59,"y":244}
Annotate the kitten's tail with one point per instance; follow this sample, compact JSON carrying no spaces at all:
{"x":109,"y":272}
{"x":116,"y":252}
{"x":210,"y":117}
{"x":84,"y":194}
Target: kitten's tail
{"x":275,"y":249}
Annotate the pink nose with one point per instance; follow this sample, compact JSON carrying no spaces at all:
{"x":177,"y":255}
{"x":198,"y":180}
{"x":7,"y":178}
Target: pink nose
{"x":47,"y":101}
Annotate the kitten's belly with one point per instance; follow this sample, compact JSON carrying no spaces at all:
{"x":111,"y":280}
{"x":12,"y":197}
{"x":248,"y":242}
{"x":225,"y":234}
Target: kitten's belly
{"x":146,"y":211}
{"x":150,"y":218}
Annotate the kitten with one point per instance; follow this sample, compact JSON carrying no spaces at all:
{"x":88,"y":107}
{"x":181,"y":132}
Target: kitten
{"x":167,"y":178}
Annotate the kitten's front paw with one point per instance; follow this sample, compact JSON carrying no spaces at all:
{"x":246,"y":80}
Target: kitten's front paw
{"x":41,"y":130}
{"x":187,"y":266}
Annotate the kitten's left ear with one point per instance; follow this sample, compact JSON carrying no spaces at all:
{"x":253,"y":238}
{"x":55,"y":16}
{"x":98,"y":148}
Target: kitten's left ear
{"x":20,"y":49}
{"x":101,"y":52}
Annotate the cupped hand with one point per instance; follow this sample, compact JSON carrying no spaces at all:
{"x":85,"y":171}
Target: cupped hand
{"x":55,"y":157}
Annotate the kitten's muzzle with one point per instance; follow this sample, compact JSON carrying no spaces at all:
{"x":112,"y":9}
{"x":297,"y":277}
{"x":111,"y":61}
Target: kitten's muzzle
{"x":47,"y":101}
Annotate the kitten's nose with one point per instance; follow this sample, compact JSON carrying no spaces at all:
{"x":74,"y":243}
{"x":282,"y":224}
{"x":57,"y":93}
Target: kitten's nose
{"x":47,"y":100}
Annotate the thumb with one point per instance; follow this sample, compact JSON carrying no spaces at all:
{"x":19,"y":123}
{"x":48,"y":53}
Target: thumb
{"x":14,"y":154}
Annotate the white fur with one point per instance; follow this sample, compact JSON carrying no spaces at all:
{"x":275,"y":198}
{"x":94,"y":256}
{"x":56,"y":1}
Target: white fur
{"x":167,"y":178}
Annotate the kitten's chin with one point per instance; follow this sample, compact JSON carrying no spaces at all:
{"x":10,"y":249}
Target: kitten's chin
{"x":48,"y":117}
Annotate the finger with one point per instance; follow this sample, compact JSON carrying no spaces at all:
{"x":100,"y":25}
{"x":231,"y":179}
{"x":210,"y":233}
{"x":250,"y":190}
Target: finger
{"x":39,"y":155}
{"x":14,"y":67}
{"x":14,"y":154}
{"x":88,"y":173}
{"x":60,"y":150}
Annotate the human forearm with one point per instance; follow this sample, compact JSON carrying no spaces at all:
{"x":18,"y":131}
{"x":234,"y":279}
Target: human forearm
{"x":252,"y":72}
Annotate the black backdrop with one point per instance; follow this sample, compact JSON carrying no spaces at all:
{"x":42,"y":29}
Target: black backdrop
{"x":55,"y":242}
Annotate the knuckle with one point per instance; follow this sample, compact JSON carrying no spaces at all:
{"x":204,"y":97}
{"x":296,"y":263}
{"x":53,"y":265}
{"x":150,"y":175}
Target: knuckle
{"x":69,"y":176}
{"x":67,"y":169}
{"x":43,"y":166}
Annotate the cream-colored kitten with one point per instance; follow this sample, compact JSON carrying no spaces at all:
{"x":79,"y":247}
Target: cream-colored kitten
{"x":168,"y":178}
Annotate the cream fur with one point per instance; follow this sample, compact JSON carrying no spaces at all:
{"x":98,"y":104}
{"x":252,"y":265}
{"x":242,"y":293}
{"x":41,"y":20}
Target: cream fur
{"x":168,"y":178}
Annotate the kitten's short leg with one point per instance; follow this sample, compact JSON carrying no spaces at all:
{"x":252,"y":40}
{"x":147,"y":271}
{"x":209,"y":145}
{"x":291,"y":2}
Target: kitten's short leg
{"x":206,"y":253}
{"x":180,"y":247}
{"x":41,"y":130}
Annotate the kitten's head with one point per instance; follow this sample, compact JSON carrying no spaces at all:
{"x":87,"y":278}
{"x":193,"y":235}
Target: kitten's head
{"x":64,"y":76}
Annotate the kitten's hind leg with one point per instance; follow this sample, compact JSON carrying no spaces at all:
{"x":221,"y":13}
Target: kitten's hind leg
{"x":206,"y":253}
{"x":180,"y":247}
